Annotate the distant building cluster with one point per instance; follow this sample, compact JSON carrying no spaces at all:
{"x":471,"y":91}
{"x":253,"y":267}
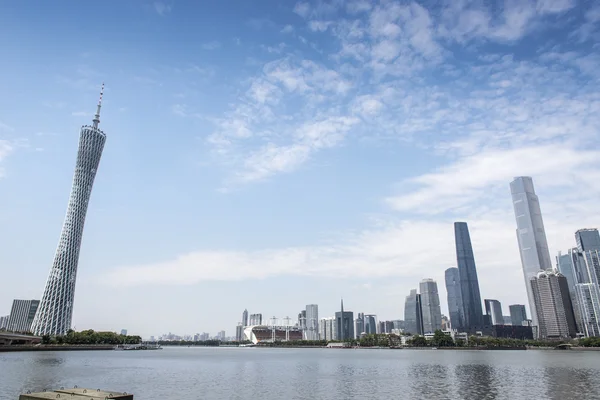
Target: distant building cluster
{"x":564,"y":300}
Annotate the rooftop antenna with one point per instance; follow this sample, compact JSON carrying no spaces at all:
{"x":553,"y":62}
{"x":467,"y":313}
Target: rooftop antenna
{"x":97,"y":116}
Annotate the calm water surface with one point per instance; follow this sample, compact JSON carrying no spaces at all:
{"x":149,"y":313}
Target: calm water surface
{"x":316,"y":374}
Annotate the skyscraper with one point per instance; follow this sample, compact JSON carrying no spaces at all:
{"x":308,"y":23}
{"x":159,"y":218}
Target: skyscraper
{"x":22,"y":314}
{"x":56,"y":308}
{"x":312,"y":322}
{"x":359,"y":324}
{"x":245,"y":318}
{"x":455,"y":303}
{"x":493,"y":309}
{"x":517,"y":314}
{"x":553,"y":305}
{"x":531,"y":236}
{"x":569,"y":265}
{"x":588,"y":300}
{"x":469,"y":284}
{"x":370,"y":324}
{"x":4,"y":321}
{"x":344,"y":324}
{"x":587,"y":239}
{"x":413,"y":313}
{"x":430,"y":305}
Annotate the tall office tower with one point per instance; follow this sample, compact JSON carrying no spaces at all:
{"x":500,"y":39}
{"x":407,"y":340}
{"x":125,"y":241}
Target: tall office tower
{"x":239,"y":332}
{"x":124,"y":332}
{"x":493,"y":309}
{"x":359,"y":324}
{"x":531,"y":236}
{"x":469,"y":284}
{"x":517,"y":314}
{"x":553,"y":304}
{"x":588,"y":300}
{"x":22,"y":315}
{"x":344,"y":324}
{"x":56,"y":308}
{"x":587,"y":239}
{"x":255,"y":319}
{"x":245,"y":318}
{"x":312,"y":322}
{"x":4,"y":321}
{"x":568,"y":265}
{"x":328,"y":328}
{"x":302,"y":323}
{"x":507,"y":320}
{"x":430,"y":305}
{"x":455,"y":303}
{"x":370,"y":324}
{"x":413,"y":313}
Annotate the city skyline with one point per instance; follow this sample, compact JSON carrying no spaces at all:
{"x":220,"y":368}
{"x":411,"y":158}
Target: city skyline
{"x":291,"y":147}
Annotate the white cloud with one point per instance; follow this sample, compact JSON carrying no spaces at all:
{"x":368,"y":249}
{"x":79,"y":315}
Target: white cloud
{"x":287,"y":29}
{"x":302,"y":9}
{"x":211,"y":45}
{"x":179,"y":109}
{"x":162,"y":8}
{"x":82,"y":114}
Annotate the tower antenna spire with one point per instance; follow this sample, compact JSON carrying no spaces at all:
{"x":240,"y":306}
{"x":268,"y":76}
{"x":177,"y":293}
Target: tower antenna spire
{"x":97,"y":116}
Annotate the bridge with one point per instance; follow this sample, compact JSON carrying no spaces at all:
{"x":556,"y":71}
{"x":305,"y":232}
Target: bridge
{"x":8,"y":338}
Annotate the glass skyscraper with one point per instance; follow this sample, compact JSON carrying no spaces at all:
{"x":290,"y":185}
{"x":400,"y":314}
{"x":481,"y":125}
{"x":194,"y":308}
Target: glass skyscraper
{"x":531,"y":236}
{"x":413,"y":317}
{"x":517,"y":314}
{"x":430,"y":306}
{"x":587,"y":239}
{"x":455,"y":303}
{"x":553,"y":304}
{"x":469,"y":284}
{"x":22,"y":314}
{"x":344,"y":324}
{"x":493,"y":308}
{"x":55,"y":312}
{"x":312,"y":322}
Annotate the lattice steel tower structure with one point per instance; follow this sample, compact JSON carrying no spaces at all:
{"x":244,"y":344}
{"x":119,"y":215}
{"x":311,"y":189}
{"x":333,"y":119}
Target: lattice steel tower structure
{"x":54,"y":314}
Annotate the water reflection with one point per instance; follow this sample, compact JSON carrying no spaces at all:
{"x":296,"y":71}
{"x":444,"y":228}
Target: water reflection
{"x":49,"y":371}
{"x":568,"y":383}
{"x":429,"y":381}
{"x":476,"y":381}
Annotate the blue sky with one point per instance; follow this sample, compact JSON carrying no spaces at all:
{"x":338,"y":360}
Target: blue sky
{"x":268,"y":155}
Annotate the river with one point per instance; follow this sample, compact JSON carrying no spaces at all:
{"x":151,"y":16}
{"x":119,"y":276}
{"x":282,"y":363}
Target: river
{"x":316,"y":374}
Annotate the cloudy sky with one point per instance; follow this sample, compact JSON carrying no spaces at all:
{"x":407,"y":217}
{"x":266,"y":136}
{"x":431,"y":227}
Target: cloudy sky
{"x":268,"y":155}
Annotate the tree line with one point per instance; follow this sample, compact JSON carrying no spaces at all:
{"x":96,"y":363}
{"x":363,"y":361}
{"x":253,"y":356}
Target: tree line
{"x":91,"y":337}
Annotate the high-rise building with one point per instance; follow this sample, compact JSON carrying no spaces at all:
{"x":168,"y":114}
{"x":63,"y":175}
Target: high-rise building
{"x":124,"y":332}
{"x":469,"y":283}
{"x":568,"y":265}
{"x":587,"y":239}
{"x":328,"y":328}
{"x":312,"y":322}
{"x":518,"y":315}
{"x":588,"y":299}
{"x":4,"y":321}
{"x":430,"y":305}
{"x":245,"y":318}
{"x":359,"y":325}
{"x":302,"y":323}
{"x":553,"y":305}
{"x":239,"y":332}
{"x":507,"y":320}
{"x":55,"y":312}
{"x":531,"y":236}
{"x":370,"y":324}
{"x":455,"y":303}
{"x":255,"y":319}
{"x":493,"y":309}
{"x":344,"y":324}
{"x":445,"y":323}
{"x":22,"y":315}
{"x":413,"y":313}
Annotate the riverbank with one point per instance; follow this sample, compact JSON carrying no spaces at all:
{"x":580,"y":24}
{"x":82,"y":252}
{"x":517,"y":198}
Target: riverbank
{"x":52,"y":347}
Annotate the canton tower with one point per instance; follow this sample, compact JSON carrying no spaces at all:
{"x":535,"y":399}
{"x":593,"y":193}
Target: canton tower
{"x":54,"y":314}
